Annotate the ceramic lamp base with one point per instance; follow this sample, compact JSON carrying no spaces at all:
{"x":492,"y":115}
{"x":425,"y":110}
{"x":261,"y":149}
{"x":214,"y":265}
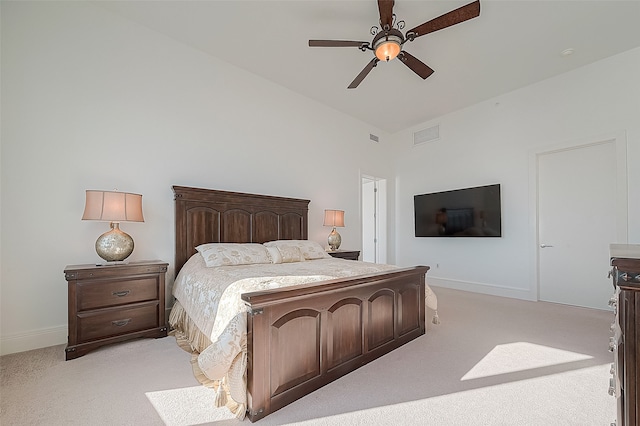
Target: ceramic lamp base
{"x":334,"y":240}
{"x":115,"y":245}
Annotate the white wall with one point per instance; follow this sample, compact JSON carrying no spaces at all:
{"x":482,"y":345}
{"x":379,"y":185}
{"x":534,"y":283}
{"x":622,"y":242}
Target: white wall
{"x":492,"y":142}
{"x":92,"y":101}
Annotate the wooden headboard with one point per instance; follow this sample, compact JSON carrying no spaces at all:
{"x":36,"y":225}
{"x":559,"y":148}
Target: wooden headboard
{"x":211,"y":216}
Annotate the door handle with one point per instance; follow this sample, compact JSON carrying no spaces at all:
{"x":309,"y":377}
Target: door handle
{"x":545,"y":245}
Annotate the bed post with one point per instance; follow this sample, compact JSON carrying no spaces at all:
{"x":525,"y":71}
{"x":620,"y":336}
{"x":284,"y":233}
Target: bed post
{"x":257,"y":362}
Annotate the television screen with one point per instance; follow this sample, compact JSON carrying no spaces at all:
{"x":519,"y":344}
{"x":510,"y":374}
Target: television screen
{"x":468,"y":212}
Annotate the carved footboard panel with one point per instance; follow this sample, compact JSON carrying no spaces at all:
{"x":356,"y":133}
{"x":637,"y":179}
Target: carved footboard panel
{"x":301,"y":338}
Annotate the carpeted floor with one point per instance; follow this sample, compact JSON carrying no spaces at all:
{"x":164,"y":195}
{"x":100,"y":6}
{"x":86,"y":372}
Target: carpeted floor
{"x":492,"y":361}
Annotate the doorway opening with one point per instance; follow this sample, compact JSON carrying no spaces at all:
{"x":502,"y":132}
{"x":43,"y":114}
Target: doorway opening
{"x":374,"y":219}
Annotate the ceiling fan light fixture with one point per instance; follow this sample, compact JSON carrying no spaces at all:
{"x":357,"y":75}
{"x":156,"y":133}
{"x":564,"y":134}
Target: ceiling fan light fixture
{"x":388,"y":50}
{"x":388,"y":45}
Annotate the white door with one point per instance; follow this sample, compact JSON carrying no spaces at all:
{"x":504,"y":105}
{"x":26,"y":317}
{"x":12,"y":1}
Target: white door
{"x":577,"y":217}
{"x":368,"y":220}
{"x":381,"y":221}
{"x":374,"y":219}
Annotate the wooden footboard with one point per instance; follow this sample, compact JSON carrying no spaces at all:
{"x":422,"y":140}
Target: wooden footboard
{"x":301,"y":338}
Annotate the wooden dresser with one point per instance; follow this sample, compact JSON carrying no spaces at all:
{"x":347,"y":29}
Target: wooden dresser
{"x":113,"y":303}
{"x":625,"y":343}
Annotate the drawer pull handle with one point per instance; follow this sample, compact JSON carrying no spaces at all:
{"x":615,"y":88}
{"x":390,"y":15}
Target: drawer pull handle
{"x":612,"y":387}
{"x":121,"y":323}
{"x":121,"y":293}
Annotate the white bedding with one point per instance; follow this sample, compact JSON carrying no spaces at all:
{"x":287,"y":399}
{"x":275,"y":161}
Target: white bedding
{"x":210,"y":297}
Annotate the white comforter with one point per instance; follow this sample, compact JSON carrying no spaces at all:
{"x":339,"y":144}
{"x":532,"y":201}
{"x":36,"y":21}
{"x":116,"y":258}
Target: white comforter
{"x":211,"y":298}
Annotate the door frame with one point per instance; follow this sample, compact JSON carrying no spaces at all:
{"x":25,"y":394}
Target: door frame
{"x":620,"y":141}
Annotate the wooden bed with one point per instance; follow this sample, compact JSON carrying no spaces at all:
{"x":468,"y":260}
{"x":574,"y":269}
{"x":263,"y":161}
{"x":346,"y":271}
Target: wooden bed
{"x":300,"y":338}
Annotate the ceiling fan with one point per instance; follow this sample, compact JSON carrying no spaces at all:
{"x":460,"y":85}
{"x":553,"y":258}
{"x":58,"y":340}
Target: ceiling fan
{"x":388,"y":41}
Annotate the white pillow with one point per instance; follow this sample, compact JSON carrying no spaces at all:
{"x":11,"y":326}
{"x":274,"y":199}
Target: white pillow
{"x":285,"y":254}
{"x":291,"y":254}
{"x":310,"y":249}
{"x":225,"y":254}
{"x":275,"y":255}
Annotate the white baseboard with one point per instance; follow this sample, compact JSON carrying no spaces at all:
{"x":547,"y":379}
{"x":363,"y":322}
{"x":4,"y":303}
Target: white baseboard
{"x":491,"y":289}
{"x":33,"y":340}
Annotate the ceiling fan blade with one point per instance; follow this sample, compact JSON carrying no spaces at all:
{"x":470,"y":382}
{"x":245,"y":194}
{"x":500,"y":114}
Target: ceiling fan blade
{"x":415,"y":64}
{"x":336,"y":43}
{"x":385,"y":7}
{"x":363,"y":73}
{"x":456,"y":16}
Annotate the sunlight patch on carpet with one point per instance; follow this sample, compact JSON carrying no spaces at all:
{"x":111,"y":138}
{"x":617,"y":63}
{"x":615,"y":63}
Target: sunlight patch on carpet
{"x":531,"y":402}
{"x":187,"y":406}
{"x":520,"y":356}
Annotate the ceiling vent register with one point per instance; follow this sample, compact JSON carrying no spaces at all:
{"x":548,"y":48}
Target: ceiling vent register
{"x":430,"y":134}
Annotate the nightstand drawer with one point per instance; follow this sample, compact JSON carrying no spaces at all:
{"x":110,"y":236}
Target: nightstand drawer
{"x":112,"y":322}
{"x":96,"y":294}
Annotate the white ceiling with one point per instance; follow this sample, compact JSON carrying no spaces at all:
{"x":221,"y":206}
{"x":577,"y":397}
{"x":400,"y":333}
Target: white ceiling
{"x":510,"y":45}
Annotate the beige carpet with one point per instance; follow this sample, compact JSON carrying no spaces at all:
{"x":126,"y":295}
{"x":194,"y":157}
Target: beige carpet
{"x":492,"y":361}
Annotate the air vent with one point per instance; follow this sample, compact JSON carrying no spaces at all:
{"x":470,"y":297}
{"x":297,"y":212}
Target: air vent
{"x":373,"y":137}
{"x":429,"y":134}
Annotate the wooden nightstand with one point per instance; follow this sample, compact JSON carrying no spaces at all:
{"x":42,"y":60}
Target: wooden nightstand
{"x":113,"y":303}
{"x":345,"y":254}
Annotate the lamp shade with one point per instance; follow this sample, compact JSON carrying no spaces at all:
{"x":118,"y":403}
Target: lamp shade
{"x":113,"y":206}
{"x":334,"y":218}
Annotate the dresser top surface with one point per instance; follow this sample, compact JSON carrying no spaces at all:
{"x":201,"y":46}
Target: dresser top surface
{"x":628,"y":251}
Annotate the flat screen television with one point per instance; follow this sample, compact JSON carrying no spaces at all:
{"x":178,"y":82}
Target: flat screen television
{"x":467,"y":212}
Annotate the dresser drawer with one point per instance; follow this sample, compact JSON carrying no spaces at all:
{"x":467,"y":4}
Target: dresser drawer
{"x":98,"y":294}
{"x":110,"y":322}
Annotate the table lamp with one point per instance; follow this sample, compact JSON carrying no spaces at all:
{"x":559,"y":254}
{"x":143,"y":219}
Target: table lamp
{"x":334,"y":218}
{"x":113,"y":207}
